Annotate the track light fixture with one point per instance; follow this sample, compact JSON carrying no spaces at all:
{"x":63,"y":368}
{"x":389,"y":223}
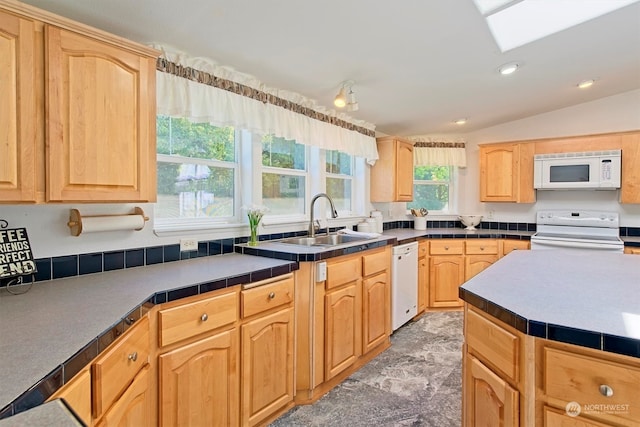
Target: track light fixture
{"x":346,"y":97}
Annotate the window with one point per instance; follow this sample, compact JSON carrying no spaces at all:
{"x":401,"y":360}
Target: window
{"x":432,"y":188}
{"x":339,"y":170}
{"x":196,"y":171}
{"x":284,"y":176}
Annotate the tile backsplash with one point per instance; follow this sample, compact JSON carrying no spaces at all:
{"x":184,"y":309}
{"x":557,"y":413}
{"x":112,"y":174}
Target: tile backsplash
{"x":97,"y":262}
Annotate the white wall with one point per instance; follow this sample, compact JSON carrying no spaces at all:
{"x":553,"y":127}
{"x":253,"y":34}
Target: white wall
{"x":49,"y":234}
{"x":616,"y":113}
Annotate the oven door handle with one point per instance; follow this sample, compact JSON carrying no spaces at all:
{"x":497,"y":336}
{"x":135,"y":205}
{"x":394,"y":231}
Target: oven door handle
{"x":573,"y":245}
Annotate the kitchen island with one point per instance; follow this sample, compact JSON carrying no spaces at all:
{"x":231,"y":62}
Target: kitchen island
{"x":553,"y":337}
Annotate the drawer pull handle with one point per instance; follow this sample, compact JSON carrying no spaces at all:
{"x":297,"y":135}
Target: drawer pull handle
{"x":272,"y":295}
{"x":133,"y":356}
{"x":204,"y":317}
{"x":606,"y":391}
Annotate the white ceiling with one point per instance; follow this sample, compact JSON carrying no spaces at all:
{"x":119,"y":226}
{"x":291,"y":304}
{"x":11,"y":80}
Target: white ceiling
{"x":417,"y":64}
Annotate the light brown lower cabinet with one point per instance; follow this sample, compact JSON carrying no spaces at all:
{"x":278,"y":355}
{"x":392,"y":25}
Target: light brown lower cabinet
{"x":376,"y":311}
{"x":133,"y":408}
{"x":632,"y":250}
{"x":267,"y":366}
{"x":446,"y":274}
{"x":199,"y":382}
{"x":343,"y":323}
{"x":77,"y":394}
{"x":489,"y":400}
{"x":512,"y":379}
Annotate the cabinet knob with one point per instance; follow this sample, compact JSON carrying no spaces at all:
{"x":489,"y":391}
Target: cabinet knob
{"x":204,"y":317}
{"x":606,"y":391}
{"x":482,"y":248}
{"x":446,"y":248}
{"x":133,"y":356}
{"x":272,"y":295}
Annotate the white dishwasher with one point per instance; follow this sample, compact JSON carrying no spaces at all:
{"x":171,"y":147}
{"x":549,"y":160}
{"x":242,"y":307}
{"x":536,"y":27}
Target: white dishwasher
{"x":404,"y":284}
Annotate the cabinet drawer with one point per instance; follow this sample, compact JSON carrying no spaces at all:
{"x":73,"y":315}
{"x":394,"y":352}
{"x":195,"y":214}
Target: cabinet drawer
{"x":265,"y":297}
{"x":375,"y":262}
{"x":194,"y":318}
{"x":580,"y":378}
{"x":493,"y":343}
{"x":514,"y":245}
{"x":114,"y":370}
{"x":482,"y":247}
{"x":342,"y":272}
{"x":556,"y":418}
{"x":446,"y":247}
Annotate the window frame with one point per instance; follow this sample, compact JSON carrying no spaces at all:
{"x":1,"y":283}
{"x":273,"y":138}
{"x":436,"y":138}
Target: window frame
{"x":452,"y":184}
{"x":202,"y":223}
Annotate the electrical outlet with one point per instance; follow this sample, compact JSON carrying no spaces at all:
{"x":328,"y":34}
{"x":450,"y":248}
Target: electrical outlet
{"x":187,"y":245}
{"x":490,"y":216}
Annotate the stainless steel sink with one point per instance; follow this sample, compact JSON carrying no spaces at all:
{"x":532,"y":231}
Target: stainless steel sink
{"x":327,"y":240}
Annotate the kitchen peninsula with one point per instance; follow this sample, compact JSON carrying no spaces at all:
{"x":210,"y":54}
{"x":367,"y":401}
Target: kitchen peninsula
{"x":553,"y":336}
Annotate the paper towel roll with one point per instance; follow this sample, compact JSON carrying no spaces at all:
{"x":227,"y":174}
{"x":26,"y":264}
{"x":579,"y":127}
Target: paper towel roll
{"x":92,"y":224}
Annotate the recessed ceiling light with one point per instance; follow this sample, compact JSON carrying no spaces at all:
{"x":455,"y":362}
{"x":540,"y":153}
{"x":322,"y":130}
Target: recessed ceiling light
{"x":507,"y":69}
{"x":460,"y":121}
{"x":586,"y":83}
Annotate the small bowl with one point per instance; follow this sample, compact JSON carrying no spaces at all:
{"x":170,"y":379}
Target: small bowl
{"x":470,"y":221}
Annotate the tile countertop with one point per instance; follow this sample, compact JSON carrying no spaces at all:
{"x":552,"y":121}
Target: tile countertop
{"x":44,"y":327}
{"x":404,"y":235}
{"x":592,"y":300}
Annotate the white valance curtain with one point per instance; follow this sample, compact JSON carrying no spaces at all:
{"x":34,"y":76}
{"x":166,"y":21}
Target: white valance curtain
{"x":255,"y":107}
{"x":428,"y":152}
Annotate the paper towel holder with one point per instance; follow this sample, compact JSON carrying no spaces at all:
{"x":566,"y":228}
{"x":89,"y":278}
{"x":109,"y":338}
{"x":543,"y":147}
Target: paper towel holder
{"x":109,"y":222}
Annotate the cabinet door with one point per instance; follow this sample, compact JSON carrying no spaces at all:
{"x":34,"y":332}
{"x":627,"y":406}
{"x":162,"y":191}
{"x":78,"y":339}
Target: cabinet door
{"x":133,"y":408}
{"x":100,"y":119}
{"x":343,"y":333}
{"x":630,"y":189}
{"x":423,"y":284}
{"x":446,"y":274}
{"x":488,"y":399}
{"x":404,"y":171}
{"x":632,"y":250}
{"x":498,"y":173}
{"x":506,"y":173}
{"x":77,"y":394}
{"x":199,"y":383}
{"x":376,"y":311}
{"x":19,"y":110}
{"x":267,"y":366}
{"x":474,"y":264}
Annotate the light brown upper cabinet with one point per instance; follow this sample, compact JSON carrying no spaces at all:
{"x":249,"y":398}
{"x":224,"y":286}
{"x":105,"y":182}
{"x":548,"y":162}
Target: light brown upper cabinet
{"x":392,"y":175}
{"x":630,"y":190}
{"x":18,"y":111}
{"x":100,"y":120}
{"x":79,"y":123}
{"x":506,"y":173}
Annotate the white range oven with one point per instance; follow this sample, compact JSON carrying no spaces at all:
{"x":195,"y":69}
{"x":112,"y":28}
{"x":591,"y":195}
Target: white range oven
{"x":577,"y":230}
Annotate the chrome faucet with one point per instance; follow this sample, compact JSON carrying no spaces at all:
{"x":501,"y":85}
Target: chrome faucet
{"x":334,"y":213}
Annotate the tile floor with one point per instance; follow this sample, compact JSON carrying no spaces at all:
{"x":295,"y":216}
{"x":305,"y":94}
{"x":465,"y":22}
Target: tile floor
{"x":416,"y":382}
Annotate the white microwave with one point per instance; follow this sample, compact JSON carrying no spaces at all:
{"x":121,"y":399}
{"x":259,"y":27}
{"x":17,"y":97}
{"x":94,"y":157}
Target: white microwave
{"x":598,"y":170}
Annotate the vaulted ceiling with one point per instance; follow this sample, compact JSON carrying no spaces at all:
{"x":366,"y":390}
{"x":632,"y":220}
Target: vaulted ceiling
{"x":417,"y":64}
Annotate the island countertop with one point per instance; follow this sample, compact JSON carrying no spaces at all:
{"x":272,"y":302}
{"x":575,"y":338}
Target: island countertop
{"x":591,"y":300}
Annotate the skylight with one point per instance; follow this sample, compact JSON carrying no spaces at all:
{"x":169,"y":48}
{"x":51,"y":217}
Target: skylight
{"x":515,"y":23}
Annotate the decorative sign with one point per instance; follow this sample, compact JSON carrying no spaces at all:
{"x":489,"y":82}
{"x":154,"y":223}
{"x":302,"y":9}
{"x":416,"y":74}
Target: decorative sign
{"x":16,"y":258}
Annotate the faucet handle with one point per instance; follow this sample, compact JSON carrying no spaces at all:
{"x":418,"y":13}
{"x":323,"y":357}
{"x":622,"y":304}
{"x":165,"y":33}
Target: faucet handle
{"x":316,"y":225}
